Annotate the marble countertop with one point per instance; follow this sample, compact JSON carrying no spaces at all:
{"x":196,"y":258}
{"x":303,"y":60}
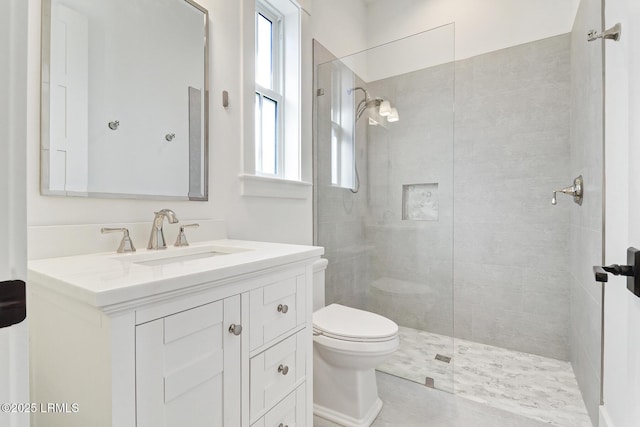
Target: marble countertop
{"x":106,"y":279}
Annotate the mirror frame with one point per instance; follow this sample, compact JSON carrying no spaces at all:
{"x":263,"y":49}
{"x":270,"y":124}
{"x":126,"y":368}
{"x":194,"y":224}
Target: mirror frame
{"x":45,"y":108}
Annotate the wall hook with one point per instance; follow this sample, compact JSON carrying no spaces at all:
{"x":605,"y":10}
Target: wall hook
{"x":114,"y":124}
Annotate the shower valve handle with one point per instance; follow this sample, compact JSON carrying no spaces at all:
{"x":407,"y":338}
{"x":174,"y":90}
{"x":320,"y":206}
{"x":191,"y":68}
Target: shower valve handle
{"x":576,"y":190}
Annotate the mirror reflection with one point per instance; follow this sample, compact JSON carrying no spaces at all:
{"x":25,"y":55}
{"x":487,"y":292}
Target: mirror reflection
{"x":124,"y":99}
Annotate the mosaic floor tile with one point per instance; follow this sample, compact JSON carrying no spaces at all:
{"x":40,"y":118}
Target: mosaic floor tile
{"x":537,"y":387}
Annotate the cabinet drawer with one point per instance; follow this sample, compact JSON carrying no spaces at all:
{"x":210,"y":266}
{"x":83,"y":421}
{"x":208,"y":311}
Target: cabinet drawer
{"x":290,"y":412}
{"x":275,"y":372}
{"x":276,"y":309}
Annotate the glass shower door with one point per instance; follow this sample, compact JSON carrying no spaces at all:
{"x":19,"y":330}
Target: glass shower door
{"x":383,"y":208}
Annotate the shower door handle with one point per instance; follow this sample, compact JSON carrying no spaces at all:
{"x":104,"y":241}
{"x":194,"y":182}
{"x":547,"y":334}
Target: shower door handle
{"x":631,"y":271}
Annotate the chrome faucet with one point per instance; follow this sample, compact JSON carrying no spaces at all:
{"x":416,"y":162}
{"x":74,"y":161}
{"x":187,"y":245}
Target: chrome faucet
{"x":156,"y":240}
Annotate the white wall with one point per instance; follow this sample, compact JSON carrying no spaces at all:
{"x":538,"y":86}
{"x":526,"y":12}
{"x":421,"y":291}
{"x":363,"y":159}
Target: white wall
{"x":340,"y":25}
{"x":481,"y":26}
{"x":349,"y":27}
{"x":272,"y":219}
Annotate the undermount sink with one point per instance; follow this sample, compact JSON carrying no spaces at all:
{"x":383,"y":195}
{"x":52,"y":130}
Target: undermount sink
{"x":174,"y":255}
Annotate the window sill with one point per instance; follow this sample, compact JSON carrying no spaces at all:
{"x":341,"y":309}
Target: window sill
{"x":263,"y":186}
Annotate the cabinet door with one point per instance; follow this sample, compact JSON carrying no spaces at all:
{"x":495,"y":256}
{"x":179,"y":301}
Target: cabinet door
{"x":188,"y":368}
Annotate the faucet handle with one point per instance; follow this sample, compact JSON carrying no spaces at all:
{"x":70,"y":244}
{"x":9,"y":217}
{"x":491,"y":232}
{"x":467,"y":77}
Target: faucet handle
{"x":126,"y":244}
{"x":182,"y":238}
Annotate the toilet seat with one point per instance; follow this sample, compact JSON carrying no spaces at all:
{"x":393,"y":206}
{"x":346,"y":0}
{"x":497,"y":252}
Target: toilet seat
{"x":350,"y":324}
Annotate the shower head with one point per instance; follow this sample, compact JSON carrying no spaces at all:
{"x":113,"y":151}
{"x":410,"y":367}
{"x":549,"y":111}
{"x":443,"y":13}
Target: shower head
{"x":383,"y":106}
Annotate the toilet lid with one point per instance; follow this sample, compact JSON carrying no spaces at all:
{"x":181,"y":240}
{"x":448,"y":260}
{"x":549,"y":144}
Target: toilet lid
{"x":340,"y":322}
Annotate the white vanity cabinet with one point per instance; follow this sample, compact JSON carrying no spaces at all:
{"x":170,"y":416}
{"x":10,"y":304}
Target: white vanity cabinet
{"x":167,"y":347}
{"x":188,"y":368}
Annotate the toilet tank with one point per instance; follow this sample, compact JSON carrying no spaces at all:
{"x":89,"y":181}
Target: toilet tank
{"x":319,"y":268}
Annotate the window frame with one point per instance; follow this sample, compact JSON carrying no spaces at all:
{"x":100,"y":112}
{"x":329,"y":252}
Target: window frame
{"x":275,"y":93}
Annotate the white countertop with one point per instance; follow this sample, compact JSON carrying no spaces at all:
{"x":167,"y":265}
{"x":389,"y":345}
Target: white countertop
{"x":106,"y":279}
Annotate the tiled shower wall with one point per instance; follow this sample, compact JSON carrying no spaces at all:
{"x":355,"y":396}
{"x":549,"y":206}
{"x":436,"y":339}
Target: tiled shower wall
{"x":511,"y":152}
{"x":496,"y":168}
{"x":412,"y":260}
{"x":586,"y":221}
{"x":510,"y":251}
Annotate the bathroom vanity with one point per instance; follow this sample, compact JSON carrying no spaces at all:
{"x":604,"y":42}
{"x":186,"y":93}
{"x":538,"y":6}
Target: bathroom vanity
{"x":214,"y":334}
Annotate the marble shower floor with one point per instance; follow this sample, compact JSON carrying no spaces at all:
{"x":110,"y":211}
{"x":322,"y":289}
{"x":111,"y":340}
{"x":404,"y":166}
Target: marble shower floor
{"x":536,"y":387}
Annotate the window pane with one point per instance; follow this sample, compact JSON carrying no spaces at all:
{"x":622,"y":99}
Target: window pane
{"x":343,"y":123}
{"x":334,"y":154}
{"x":258,"y":139}
{"x":269,"y":136}
{"x":264,"y":52}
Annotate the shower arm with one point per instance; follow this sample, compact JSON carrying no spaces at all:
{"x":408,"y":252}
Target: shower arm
{"x":367,"y":97}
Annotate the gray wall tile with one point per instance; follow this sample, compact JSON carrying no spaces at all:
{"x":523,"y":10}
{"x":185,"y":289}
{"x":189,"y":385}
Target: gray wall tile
{"x":525,"y":123}
{"x":586,"y":221}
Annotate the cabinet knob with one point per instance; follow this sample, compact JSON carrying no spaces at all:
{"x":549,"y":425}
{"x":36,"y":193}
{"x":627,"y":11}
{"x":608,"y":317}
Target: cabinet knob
{"x":235,"y":329}
{"x":283,"y":425}
{"x":283,"y":369}
{"x":283,"y":308}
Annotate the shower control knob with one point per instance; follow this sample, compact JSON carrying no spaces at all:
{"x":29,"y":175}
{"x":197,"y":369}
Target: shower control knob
{"x":283,"y":308}
{"x":235,"y":329}
{"x":283,"y":369}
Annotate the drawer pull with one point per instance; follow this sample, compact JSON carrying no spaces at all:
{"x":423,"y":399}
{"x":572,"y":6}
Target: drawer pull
{"x":283,"y":425}
{"x":235,"y":329}
{"x":283,"y":369}
{"x":283,"y":308}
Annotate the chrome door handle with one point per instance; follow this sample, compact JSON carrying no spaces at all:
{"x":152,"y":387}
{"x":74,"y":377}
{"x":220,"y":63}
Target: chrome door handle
{"x":235,"y":329}
{"x":283,"y":308}
{"x":283,"y":369}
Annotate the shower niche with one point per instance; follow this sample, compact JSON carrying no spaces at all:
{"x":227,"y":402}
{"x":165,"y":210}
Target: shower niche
{"x":420,"y":202}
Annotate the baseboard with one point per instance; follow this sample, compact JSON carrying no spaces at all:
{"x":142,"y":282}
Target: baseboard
{"x":345,"y":420}
{"x":605,"y":419}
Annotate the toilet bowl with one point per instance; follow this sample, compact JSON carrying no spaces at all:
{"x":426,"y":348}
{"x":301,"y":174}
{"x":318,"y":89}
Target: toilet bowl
{"x":348,"y":345}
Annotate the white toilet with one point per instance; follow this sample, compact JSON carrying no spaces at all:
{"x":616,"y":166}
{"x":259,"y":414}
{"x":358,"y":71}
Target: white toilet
{"x":348,"y":345}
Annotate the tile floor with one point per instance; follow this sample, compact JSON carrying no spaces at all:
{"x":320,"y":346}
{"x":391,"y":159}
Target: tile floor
{"x":531,"y":386}
{"x":408,"y":404}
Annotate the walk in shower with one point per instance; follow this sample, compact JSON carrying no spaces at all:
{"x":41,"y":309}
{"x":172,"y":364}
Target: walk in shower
{"x":433,"y":183}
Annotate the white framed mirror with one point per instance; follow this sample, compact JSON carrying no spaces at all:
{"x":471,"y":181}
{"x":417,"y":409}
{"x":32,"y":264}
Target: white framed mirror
{"x":125,"y":99}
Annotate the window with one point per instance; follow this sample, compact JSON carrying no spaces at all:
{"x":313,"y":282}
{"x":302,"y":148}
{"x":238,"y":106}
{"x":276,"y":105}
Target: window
{"x":342,"y":126}
{"x":272,"y":153}
{"x":269,"y":105}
